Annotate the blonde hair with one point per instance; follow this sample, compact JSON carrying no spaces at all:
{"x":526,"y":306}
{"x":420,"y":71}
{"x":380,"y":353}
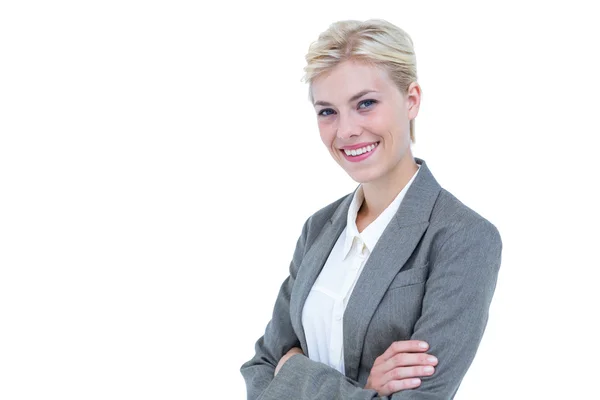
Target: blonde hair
{"x":374,"y":41}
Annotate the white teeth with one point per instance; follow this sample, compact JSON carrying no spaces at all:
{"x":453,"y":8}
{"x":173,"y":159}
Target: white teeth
{"x":357,"y":152}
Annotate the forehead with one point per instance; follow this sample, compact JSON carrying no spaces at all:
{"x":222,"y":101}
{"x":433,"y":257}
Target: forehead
{"x":347,"y":79}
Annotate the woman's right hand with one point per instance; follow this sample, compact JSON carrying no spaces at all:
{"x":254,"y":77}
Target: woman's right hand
{"x":399,"y":367}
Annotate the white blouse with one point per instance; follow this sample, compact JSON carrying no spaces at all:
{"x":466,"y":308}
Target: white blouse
{"x":322,"y":315}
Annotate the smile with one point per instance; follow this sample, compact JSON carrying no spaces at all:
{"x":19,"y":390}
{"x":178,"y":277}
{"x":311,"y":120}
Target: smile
{"x":358,"y":152}
{"x":356,"y":155}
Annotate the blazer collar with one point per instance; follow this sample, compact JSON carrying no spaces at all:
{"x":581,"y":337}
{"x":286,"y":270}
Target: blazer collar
{"x":389,"y":255}
{"x":371,"y":234}
{"x":416,"y":205}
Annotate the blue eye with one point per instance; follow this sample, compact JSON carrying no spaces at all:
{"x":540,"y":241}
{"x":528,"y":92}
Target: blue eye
{"x":323,"y":110}
{"x":366,"y":102}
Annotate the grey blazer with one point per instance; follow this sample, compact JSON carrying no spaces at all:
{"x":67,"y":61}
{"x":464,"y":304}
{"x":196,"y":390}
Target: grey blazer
{"x":430,"y":277}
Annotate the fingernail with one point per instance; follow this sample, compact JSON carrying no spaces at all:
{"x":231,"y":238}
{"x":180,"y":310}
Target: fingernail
{"x":423,"y":345}
{"x":415,"y":381}
{"x":432,"y":359}
{"x":428,"y":369}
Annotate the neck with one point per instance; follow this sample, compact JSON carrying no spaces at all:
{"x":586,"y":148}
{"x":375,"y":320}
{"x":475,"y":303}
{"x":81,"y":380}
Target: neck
{"x":380,"y":193}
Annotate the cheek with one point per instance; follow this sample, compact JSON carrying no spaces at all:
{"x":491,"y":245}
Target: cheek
{"x":327,"y":134}
{"x":384,"y":121}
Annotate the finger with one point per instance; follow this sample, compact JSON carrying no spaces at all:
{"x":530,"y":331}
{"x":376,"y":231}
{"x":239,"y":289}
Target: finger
{"x":404,"y":346}
{"x":403,"y":360}
{"x":381,"y":368}
{"x":408,"y":359}
{"x":408,"y":372}
{"x":399,"y":385}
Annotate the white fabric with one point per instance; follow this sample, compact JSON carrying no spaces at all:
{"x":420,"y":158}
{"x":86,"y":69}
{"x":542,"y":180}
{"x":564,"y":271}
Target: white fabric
{"x":322,"y":315}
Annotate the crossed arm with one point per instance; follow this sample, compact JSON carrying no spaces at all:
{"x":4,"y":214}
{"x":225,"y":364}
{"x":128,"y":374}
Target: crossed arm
{"x":457,"y":297}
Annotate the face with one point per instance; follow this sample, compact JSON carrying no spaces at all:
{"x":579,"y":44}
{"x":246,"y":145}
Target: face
{"x":364,"y":120}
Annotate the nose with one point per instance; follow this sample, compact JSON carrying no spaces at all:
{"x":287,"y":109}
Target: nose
{"x":347,"y":127}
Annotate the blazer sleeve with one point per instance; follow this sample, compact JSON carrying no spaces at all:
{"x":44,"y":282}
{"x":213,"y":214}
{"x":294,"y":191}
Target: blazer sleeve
{"x":458,"y":294}
{"x":455,"y":310}
{"x":279,"y":336}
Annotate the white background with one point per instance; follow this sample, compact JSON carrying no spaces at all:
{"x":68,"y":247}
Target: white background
{"x":158,"y":160}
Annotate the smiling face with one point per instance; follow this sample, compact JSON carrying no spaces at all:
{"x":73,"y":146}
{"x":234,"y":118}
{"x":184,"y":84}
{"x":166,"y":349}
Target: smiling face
{"x":364,"y":120}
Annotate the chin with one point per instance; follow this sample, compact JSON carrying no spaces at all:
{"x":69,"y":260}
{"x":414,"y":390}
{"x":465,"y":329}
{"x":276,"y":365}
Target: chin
{"x":363,"y":176}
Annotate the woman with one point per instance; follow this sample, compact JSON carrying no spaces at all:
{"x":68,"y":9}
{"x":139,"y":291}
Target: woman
{"x":397,"y":264}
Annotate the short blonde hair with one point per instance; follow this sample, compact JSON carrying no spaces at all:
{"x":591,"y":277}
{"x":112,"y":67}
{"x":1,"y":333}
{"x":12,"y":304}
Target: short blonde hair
{"x":374,"y":41}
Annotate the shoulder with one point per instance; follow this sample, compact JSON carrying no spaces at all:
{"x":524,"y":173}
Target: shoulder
{"x":451,"y":217}
{"x":317,"y":220}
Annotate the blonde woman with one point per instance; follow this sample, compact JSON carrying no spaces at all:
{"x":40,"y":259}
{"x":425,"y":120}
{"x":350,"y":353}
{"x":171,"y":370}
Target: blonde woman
{"x":389,"y":286}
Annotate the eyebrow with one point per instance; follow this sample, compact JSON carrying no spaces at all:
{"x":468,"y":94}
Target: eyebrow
{"x":355,"y":97}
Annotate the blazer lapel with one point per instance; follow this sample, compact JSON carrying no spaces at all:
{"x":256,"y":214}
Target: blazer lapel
{"x":312,"y":264}
{"x":393,"y":248}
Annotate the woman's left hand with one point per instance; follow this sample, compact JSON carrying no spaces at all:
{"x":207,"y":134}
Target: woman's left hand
{"x":290,"y":353}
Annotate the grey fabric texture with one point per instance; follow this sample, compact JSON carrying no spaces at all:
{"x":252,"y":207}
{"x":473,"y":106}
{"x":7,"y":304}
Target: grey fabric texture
{"x":430,"y":277}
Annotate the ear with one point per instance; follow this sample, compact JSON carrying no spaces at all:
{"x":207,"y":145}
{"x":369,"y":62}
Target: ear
{"x":413,"y":100}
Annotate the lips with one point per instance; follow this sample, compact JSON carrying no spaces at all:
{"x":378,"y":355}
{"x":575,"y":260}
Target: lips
{"x":358,"y":145}
{"x":360,"y":151}
{"x":366,"y":152}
